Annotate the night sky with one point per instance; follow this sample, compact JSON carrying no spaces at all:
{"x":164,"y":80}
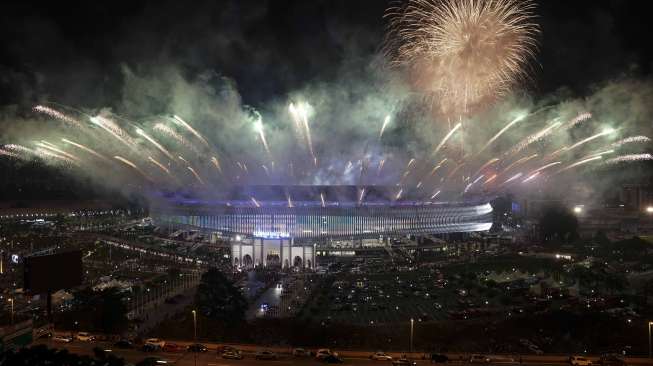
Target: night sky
{"x":269,"y":48}
{"x":74,"y":52}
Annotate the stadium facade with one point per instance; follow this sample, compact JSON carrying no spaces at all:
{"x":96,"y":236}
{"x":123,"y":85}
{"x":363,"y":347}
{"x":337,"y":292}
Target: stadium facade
{"x":288,"y":218}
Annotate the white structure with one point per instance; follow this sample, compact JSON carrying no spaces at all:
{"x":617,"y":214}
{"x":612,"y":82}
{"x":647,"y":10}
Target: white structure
{"x":272,"y":252}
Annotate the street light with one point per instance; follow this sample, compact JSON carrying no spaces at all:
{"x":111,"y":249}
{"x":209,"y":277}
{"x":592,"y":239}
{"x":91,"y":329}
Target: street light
{"x":412,"y":324}
{"x":194,"y":325}
{"x":649,"y":209}
{"x":649,"y":339}
{"x":12,"y":310}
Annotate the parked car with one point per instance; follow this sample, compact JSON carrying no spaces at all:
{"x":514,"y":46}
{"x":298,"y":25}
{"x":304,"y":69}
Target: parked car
{"x":265,"y":355}
{"x":152,"y":361}
{"x":85,"y":337}
{"x":172,"y":347}
{"x":477,"y":359}
{"x":301,"y":352}
{"x":437,"y":358}
{"x":149,"y":348}
{"x":380,"y":356}
{"x":332,"y":359}
{"x":324,"y":353}
{"x":123,"y":343}
{"x":156,"y":342}
{"x":611,"y":360}
{"x":197,"y":347}
{"x":579,"y":361}
{"x":62,"y":338}
{"x":403,"y":362}
{"x":232,"y":354}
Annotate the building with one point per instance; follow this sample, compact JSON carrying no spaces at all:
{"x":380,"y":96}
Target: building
{"x":277,"y":220}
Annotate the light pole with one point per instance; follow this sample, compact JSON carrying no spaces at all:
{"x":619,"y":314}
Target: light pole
{"x":194,"y":325}
{"x":412,"y":324}
{"x":649,"y":339}
{"x":12,"y":314}
{"x":195,"y":335}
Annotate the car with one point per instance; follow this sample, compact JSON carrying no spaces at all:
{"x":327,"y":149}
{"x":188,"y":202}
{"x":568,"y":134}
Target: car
{"x":224,"y":348}
{"x":172,"y":347}
{"x":380,"y":356}
{"x":477,"y":359}
{"x":85,"y":337}
{"x":499,"y":359}
{"x":611,"y":360}
{"x":301,"y":352}
{"x":149,"y":348}
{"x":332,"y":359}
{"x":323,"y":353}
{"x":156,"y":342}
{"x":152,"y":361}
{"x":265,"y":355}
{"x":403,"y":362}
{"x":232,"y":354}
{"x":197,"y":347}
{"x":62,"y":338}
{"x":124,"y":343}
{"x":438,"y":358}
{"x":579,"y":361}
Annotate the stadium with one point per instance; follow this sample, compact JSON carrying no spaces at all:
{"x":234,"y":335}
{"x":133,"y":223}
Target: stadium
{"x":310,"y":213}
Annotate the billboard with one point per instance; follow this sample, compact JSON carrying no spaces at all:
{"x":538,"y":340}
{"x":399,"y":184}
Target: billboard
{"x":53,"y":272}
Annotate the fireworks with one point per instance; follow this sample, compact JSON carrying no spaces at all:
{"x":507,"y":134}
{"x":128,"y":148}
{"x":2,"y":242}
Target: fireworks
{"x":385,"y":124}
{"x":58,"y":115}
{"x":464,"y":51}
{"x":629,"y":158}
{"x":190,"y":129}
{"x":156,"y":144}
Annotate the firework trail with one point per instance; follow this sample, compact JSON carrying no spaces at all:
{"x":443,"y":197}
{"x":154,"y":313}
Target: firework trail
{"x":516,"y":176}
{"x":58,"y":115}
{"x":189,"y":128}
{"x":182,"y":159}
{"x":258,"y":126}
{"x":216,"y":163}
{"x":254,"y":201}
{"x":471,"y":49}
{"x":133,"y":166}
{"x":578,"y":119}
{"x":435,"y":194}
{"x":398,"y":196}
{"x":472,"y":183}
{"x":385,"y":124}
{"x":267,"y":172}
{"x":578,"y":163}
{"x":46,"y":145}
{"x":629,"y":158}
{"x":534,"y":137}
{"x":446,"y":137}
{"x":607,"y":131}
{"x":114,"y":130}
{"x":361,"y":195}
{"x":87,"y":149}
{"x":629,"y":140}
{"x":52,"y":156}
{"x":518,"y":162}
{"x":161,"y":166}
{"x":531,"y":177}
{"x":543,"y":167}
{"x":489,"y":162}
{"x":510,"y":124}
{"x":156,"y":144}
{"x":378,"y":170}
{"x":322,"y":199}
{"x":300,"y":116}
{"x":290,"y":205}
{"x":197,"y":176}
{"x":177,"y":137}
{"x":490,"y":179}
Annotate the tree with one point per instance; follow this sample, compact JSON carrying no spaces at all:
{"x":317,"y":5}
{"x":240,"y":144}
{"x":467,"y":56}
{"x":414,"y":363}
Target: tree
{"x":103,"y":311}
{"x":559,"y":223}
{"x":217,"y":298}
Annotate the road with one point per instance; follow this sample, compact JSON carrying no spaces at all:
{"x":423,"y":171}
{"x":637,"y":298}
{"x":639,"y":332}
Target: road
{"x":210,"y":358}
